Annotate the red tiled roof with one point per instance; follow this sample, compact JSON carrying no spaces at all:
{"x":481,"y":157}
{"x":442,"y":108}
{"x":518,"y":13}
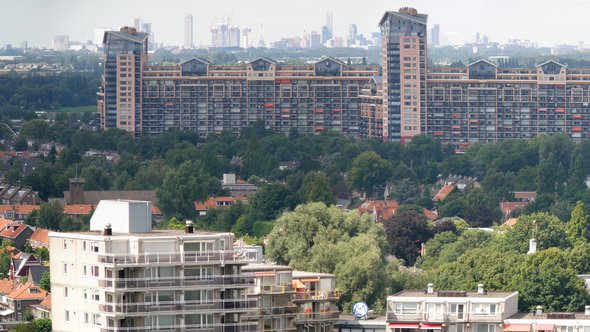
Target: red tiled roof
{"x":511,"y":222}
{"x":155,"y":210}
{"x":384,"y":209}
{"x":6,"y":207}
{"x":528,"y":195}
{"x":24,"y":293}
{"x":46,"y":303}
{"x":78,"y":209}
{"x":40,"y":235}
{"x":443,"y":193}
{"x":211,"y":203}
{"x":4,"y":222}
{"x":26,"y":209}
{"x":432,"y":215}
{"x":6,"y":286}
{"x":11,"y":233}
{"x":508,"y":207}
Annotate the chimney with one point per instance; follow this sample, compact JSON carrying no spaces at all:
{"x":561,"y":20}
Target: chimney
{"x":107,"y":230}
{"x":587,"y":311}
{"x":480,"y":289}
{"x":430,"y":288}
{"x":539,"y":310}
{"x":532,"y":246}
{"x":189,"y":227}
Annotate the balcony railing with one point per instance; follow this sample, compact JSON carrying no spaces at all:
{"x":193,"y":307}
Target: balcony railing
{"x":228,"y":327}
{"x":332,"y":295}
{"x":467,"y":316}
{"x":302,"y":318}
{"x":131,"y":284}
{"x":217,"y":257}
{"x":272,"y":289}
{"x":287,"y":310}
{"x":175,"y":307}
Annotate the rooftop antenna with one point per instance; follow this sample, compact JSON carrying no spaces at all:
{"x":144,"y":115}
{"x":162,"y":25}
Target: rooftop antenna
{"x":76,"y":170}
{"x":260,"y":42}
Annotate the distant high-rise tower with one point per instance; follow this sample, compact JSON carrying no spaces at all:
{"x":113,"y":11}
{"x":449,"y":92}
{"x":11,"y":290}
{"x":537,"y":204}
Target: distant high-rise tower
{"x":435,"y":35}
{"x":61,"y":43}
{"x":352,"y":33}
{"x":188,"y":31}
{"x":403,"y":50}
{"x":137,"y":23}
{"x":125,"y":55}
{"x":330,"y":24}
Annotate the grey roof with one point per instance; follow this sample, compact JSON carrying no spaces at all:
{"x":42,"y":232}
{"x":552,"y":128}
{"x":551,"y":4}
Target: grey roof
{"x":420,"y":18}
{"x":138,"y":38}
{"x":331,"y":58}
{"x":36,"y":272}
{"x":483,"y":60}
{"x":198,"y":59}
{"x":543,"y":63}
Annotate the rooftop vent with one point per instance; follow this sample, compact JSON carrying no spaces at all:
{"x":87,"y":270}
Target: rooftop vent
{"x":188,"y":228}
{"x":539,"y":310}
{"x":481,"y":290}
{"x":107,"y":230}
{"x":430,"y":288}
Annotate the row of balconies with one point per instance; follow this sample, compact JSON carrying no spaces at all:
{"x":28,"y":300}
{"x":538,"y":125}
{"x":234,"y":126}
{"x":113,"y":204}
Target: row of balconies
{"x":210,"y":257}
{"x":134,"y":284}
{"x":423,"y":316}
{"x":228,"y":327}
{"x":178,"y":307}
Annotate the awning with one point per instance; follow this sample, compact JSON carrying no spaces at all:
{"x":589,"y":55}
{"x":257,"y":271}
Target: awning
{"x":404,"y":325}
{"x":517,"y":327}
{"x":309,"y":279}
{"x":544,"y":327}
{"x":297,"y":284}
{"x":431,"y":326}
{"x":6,"y":312}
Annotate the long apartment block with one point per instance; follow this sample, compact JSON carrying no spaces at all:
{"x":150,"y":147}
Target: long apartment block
{"x":123,"y":276}
{"x":199,"y":96}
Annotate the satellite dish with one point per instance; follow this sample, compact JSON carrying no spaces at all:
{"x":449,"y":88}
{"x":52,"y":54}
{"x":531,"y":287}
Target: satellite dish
{"x":360,"y":310}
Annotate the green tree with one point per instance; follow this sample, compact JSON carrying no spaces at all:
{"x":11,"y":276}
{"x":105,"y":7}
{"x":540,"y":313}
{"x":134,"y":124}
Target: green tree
{"x":42,"y":325}
{"x":406,"y":233}
{"x":183,"y":186}
{"x":546,"y":277}
{"x":96,"y":178}
{"x":369,"y":173}
{"x":547,"y":175}
{"x":325,"y":239}
{"x":578,"y":227}
{"x":316,"y":188}
{"x":50,"y":215}
{"x":45,"y":282}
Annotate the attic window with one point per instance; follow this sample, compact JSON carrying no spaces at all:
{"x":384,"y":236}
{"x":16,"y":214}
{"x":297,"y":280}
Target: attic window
{"x":34,"y":290}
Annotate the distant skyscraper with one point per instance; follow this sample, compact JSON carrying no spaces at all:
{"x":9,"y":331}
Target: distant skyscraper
{"x":325,"y":34}
{"x":477,"y":38}
{"x":225,"y":35}
{"x":137,"y":23}
{"x":246,"y":38}
{"x":330,"y":24}
{"x":352,"y":33}
{"x":435,"y":35}
{"x":315,"y":39}
{"x":188,"y":31}
{"x":233,"y":36}
{"x":61,"y":43}
{"x":403,"y":50}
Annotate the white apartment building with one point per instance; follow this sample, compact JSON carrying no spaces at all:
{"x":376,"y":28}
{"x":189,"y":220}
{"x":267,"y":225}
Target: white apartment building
{"x":450,"y":311}
{"x":539,"y":321}
{"x":123,"y":276}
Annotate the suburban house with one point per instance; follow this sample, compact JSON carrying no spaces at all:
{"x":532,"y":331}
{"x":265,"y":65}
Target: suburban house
{"x":23,"y":298}
{"x":218,"y":203}
{"x":39,"y":238}
{"x":380,"y":210}
{"x":43,"y":309}
{"x":18,"y":234}
{"x":451,"y":311}
{"x":16,"y":194}
{"x":238,"y":188}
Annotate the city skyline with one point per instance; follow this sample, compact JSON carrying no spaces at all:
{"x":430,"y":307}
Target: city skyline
{"x":526,"y":19}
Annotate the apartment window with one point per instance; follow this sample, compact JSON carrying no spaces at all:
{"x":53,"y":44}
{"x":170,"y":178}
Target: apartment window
{"x":456,"y":328}
{"x":485,"y":328}
{"x":485,"y":309}
{"x":65,"y":268}
{"x":94,"y":246}
{"x":457,"y":310}
{"x":84,"y":270}
{"x":94,"y":271}
{"x":86,"y":318}
{"x":65,"y":292}
{"x":96,"y":319}
{"x":406,"y":308}
{"x":85,"y":292}
{"x":95,"y":296}
{"x":65,"y":245}
{"x":67,"y":316}
{"x":84,"y":246}
{"x":434,"y":310}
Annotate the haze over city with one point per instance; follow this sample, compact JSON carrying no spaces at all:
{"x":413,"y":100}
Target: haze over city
{"x":543,"y":21}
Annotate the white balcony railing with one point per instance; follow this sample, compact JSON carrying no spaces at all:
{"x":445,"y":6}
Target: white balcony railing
{"x":147,"y":258}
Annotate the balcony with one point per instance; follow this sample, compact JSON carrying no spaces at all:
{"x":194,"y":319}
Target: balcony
{"x":446,"y":317}
{"x":175,"y":258}
{"x":137,"y":284}
{"x":272,"y":289}
{"x":228,"y":327}
{"x":177,"y":307}
{"x":330,"y":295}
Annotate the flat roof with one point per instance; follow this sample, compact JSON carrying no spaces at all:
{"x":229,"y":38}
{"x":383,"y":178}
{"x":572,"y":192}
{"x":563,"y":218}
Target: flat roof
{"x":550,"y":316}
{"x":152,"y":234}
{"x":305,"y":274}
{"x":253,"y":267}
{"x":453,"y":294}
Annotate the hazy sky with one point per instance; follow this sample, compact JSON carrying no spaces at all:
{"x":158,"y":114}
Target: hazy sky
{"x":547,"y":22}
